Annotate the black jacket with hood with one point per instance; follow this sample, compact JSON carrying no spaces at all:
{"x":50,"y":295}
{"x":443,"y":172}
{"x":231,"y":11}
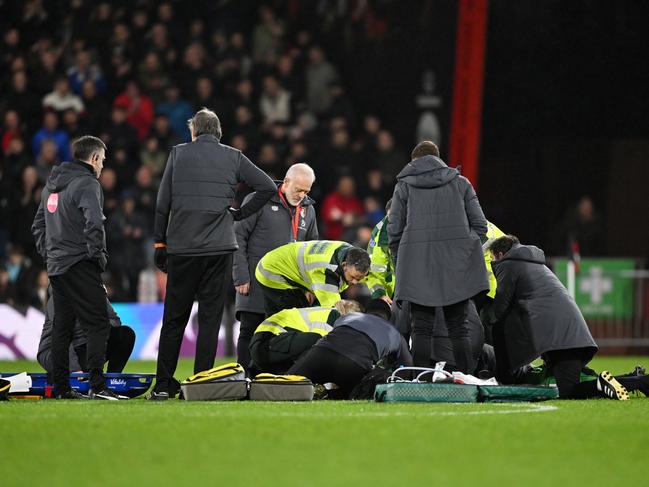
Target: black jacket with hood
{"x":435,"y":230}
{"x":535,"y":308}
{"x":264,"y":231}
{"x":69,"y":223}
{"x":198,"y":185}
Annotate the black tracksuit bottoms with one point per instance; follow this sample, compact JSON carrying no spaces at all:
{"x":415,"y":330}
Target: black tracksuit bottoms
{"x":249,"y":323}
{"x":423,"y":327}
{"x":203,"y":278}
{"x":79,"y":294}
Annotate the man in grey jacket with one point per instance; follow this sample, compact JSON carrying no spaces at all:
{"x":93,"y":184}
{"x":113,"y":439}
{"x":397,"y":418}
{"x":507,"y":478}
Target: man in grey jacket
{"x":289,"y":216}
{"x":435,"y":234}
{"x":194,"y":239}
{"x":118,"y":349}
{"x":69,"y":233}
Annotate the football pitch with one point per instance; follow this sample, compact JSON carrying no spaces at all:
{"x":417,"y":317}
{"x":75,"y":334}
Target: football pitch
{"x":325,"y":443}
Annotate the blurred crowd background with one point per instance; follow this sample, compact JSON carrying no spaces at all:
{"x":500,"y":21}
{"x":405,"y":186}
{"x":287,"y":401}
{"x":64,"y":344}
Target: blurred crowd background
{"x":289,"y":80}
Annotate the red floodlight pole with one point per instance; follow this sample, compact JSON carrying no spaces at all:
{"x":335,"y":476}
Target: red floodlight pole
{"x":466,"y":116}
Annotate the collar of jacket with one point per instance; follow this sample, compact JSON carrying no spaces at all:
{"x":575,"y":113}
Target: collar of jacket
{"x":207,"y":137}
{"x":85,"y":165}
{"x":306,"y":201}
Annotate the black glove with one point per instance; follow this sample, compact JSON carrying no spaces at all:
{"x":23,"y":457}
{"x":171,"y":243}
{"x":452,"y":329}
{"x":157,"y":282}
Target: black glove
{"x":160,"y":259}
{"x":236,"y":214}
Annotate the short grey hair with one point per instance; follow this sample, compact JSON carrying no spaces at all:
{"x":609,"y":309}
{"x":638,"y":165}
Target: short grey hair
{"x":300,"y":169}
{"x":205,"y":121}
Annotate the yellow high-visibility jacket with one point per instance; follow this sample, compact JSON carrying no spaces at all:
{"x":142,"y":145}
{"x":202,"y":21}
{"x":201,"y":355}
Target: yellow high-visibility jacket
{"x":493,"y":232}
{"x":314,"y":266}
{"x":314,"y":320}
{"x":380,"y":280}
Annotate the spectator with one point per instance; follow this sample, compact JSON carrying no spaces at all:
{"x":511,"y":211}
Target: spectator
{"x":139,"y":108}
{"x":267,"y":34}
{"x":15,"y":161}
{"x":193,"y":67}
{"x":51,"y":131}
{"x":153,"y":157}
{"x":269,"y":162}
{"x":10,"y":129}
{"x":341,"y":208}
{"x":127,"y":230}
{"x":72,"y":125}
{"x":161,"y":130}
{"x":120,"y":134}
{"x":583,"y":226}
{"x":62,"y":98}
{"x":21,"y":99}
{"x":47,"y":70}
{"x":320,"y":74}
{"x":84,"y":70}
{"x":388,"y":159}
{"x":47,"y":158}
{"x":108,"y":181}
{"x":97,"y":112}
{"x":153,"y":77}
{"x":144,"y":194}
{"x":23,"y":209}
{"x":275,"y":102}
{"x":178,"y":111}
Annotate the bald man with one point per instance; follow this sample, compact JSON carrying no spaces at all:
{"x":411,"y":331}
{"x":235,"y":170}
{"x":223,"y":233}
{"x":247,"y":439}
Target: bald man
{"x":289,"y":216}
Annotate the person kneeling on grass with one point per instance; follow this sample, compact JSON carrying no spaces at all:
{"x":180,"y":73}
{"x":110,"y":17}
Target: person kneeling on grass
{"x":283,"y":337}
{"x":357,"y":343}
{"x":534,"y":316}
{"x":118,"y":350}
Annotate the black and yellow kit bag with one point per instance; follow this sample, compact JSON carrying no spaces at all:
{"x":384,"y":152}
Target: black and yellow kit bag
{"x":224,"y":383}
{"x":271,"y":387}
{"x":5,"y":385}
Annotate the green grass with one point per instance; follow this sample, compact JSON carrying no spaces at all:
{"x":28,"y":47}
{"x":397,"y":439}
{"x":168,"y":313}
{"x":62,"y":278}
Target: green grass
{"x":328,"y":443}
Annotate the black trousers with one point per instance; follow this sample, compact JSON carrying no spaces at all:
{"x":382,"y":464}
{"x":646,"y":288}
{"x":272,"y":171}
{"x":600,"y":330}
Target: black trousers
{"x":249,"y":323}
{"x":277,"y":353}
{"x":423,"y":327}
{"x":121,"y":341}
{"x":323,"y":365}
{"x":566,"y":366}
{"x":78,"y":294}
{"x":188,"y":278}
{"x":275,"y":300}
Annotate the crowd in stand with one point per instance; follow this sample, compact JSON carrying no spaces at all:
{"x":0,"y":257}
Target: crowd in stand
{"x":132,"y":73}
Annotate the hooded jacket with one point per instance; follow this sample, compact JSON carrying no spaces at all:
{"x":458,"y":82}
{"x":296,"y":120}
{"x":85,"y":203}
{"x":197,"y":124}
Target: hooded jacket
{"x":536,"y":310}
{"x":69,"y":223}
{"x":435,"y":232}
{"x":264,"y":231}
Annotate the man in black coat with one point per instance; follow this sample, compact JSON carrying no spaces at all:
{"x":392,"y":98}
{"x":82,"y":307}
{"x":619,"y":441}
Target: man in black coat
{"x":289,"y":216}
{"x":435,"y":233}
{"x":194,"y":239}
{"x":118,"y":349}
{"x":69,"y":233}
{"x":357,"y":343}
{"x":534,"y":316}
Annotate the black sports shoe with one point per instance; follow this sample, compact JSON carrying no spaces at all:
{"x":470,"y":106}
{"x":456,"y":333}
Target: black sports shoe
{"x":639,"y":371}
{"x":71,"y":394}
{"x":106,"y":394}
{"x":635,"y":383}
{"x":157,"y":396}
{"x":610,"y":387}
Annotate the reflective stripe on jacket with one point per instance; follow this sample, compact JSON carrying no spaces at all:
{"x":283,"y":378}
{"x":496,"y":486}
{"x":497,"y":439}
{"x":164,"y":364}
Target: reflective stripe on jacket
{"x":314,"y":266}
{"x":313,"y":320}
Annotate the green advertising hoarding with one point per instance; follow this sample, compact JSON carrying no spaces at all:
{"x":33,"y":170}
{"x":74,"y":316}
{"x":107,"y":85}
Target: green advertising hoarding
{"x":603,"y":287}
